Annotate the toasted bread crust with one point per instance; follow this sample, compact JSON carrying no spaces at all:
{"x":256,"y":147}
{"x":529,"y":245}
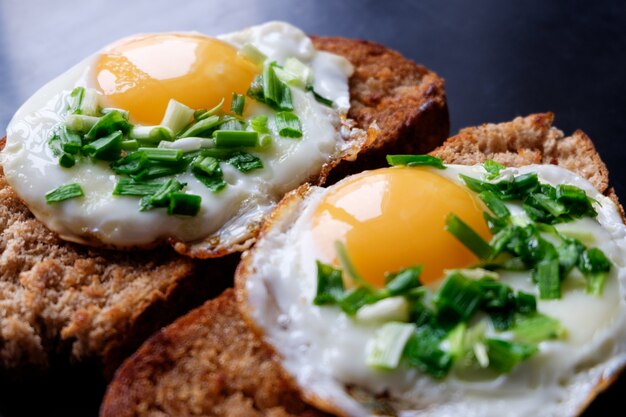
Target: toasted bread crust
{"x":522,"y":141}
{"x":206,"y":363}
{"x":406,"y":100}
{"x":75,"y":302}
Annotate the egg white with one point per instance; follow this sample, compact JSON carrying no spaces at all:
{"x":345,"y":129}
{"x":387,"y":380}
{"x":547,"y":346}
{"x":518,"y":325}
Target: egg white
{"x":325,"y":350}
{"x":32,"y":170}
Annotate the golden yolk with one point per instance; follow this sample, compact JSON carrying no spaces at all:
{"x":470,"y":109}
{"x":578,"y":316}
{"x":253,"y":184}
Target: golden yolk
{"x":141,"y":74}
{"x":394,"y":218}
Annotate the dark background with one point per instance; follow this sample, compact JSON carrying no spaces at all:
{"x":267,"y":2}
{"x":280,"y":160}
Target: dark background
{"x":500,"y":59}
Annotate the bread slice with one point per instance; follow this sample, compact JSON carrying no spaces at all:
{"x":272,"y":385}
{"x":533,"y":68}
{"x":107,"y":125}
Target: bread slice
{"x":62,"y":301}
{"x":210,"y":363}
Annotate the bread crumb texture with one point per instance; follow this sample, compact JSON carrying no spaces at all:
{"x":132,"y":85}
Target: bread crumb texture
{"x":58,"y":297}
{"x":208,"y":363}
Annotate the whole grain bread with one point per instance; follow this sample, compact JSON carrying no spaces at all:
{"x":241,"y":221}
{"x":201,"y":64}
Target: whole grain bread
{"x":209,"y":363}
{"x":61,"y":301}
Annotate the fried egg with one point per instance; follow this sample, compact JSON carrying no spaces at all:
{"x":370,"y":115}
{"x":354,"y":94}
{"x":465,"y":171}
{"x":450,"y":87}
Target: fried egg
{"x":395,"y":218}
{"x":140,"y":75}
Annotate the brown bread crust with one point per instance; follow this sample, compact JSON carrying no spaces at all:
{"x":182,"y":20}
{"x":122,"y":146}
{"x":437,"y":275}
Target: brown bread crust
{"x":205,"y":364}
{"x":406,"y":100}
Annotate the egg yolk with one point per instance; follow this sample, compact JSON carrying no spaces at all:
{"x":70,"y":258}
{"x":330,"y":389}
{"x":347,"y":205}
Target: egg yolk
{"x":141,"y":74}
{"x":394,"y":218}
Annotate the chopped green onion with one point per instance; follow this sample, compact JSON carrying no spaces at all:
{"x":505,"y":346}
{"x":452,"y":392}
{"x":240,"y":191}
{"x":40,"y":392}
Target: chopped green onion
{"x":496,"y":295}
{"x":548,"y":278}
{"x":154,"y":134}
{"x":543,"y":202}
{"x":493,"y":169}
{"x":107,"y":148}
{"x":64,"y":192}
{"x":108,"y":124}
{"x":127,"y":186}
{"x":269,"y":89}
{"x":386,"y":309}
{"x":130,"y":145}
{"x":162,"y":154}
{"x":89,"y":103}
{"x":55,"y":143}
{"x":404,"y":280}
{"x":287,"y":77}
{"x":67,"y":161}
{"x":244,"y":162}
{"x":497,"y":207}
{"x":594,"y":264}
{"x":80,"y":123}
{"x":575,"y":199}
{"x":354,"y":300}
{"x":422,"y":315}
{"x":130,"y":164}
{"x":207,"y":170}
{"x":301,"y":73}
{"x":207,"y":164}
{"x":157,"y":170}
{"x":319,"y":98}
{"x":161,"y":197}
{"x":237,"y":104}
{"x":203,"y":114}
{"x":184,"y":204}
{"x":259,"y":124}
{"x":203,"y":128}
{"x":252,"y":54}
{"x":537,"y":328}
{"x":330,"y":287}
{"x":525,"y":303}
{"x":265,"y":141}
{"x":348,"y":267}
{"x":456,"y":340}
{"x":108,"y":110}
{"x":288,"y":125}
{"x":472,"y":240}
{"x":235,"y":139}
{"x":415,"y":160}
{"x":177,"y":116}
{"x":276,"y":93}
{"x":232,"y":124}
{"x":72,"y":142}
{"x":504,"y":356}
{"x":213,"y":183}
{"x":423,"y":352}
{"x":459,"y":296}
{"x":75,"y":100}
{"x":526,"y":183}
{"x":388,"y":345}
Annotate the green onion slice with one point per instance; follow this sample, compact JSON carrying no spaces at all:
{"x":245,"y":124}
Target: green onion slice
{"x":126,"y":186}
{"x":472,"y":240}
{"x":235,"y":139}
{"x":237,"y":104}
{"x":330,"y":289}
{"x":162,"y":154}
{"x":415,"y":160}
{"x":182,"y":204}
{"x":388,"y":345}
{"x":107,"y":148}
{"x":288,"y":125}
{"x":64,"y":192}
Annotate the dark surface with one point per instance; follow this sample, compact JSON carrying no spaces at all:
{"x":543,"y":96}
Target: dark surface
{"x":500,"y":60}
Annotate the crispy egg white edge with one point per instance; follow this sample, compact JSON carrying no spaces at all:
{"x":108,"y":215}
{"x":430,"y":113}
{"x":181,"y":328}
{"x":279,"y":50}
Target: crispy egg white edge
{"x":32,"y":170}
{"x":600,"y":360}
